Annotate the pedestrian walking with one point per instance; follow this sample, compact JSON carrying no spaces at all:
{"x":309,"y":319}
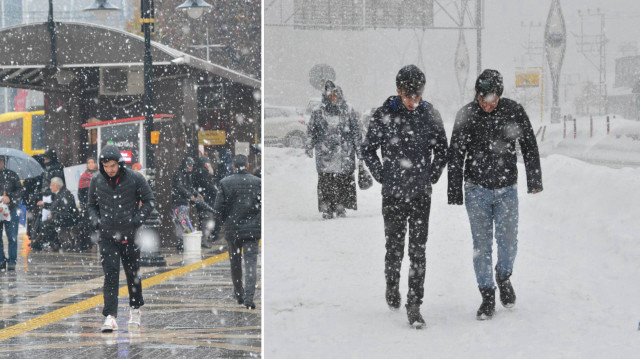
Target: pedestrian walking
{"x":238,"y":207}
{"x":482,"y":164}
{"x":334,"y":134}
{"x":115,"y":211}
{"x":10,"y":192}
{"x":411,"y":136}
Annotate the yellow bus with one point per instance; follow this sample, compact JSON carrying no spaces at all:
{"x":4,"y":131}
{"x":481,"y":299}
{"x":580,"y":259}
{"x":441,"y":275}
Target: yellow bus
{"x":23,"y":131}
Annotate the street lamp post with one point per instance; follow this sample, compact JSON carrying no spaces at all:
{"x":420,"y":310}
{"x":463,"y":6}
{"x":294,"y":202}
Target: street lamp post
{"x":52,"y":36}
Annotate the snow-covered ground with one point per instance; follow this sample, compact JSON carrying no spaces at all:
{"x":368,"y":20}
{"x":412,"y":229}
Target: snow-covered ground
{"x":619,"y":148}
{"x":577,"y":274}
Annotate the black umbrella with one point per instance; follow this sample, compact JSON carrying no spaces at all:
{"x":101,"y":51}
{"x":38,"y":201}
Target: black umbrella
{"x":21,"y":163}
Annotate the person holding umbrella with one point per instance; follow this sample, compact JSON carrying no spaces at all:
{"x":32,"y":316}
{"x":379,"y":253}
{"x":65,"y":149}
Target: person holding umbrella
{"x":11,"y":191}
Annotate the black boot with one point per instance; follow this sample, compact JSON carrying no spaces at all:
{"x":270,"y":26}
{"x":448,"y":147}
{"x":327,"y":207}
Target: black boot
{"x":507,"y":295}
{"x":327,"y":215}
{"x":414,"y":316}
{"x":393,"y":296}
{"x":488,"y":306}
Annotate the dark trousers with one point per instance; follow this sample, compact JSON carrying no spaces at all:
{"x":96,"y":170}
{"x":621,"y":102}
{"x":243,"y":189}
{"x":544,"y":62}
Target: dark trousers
{"x":250,"y":247}
{"x":210,"y":229}
{"x":111,"y":252}
{"x":396,"y":213}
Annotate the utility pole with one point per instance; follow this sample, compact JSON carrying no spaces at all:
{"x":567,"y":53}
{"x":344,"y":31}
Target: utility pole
{"x":479,"y":35}
{"x":570,"y":80}
{"x":591,"y":44}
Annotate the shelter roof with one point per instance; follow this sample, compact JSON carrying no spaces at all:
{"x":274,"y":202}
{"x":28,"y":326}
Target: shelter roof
{"x":25,"y":50}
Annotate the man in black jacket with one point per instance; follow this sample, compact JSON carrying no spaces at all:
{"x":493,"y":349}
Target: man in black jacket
{"x":408,"y":130}
{"x":52,"y":168}
{"x":238,"y":207}
{"x":64,"y":214}
{"x":115,"y":211}
{"x":10,"y":193}
{"x":483,"y":155}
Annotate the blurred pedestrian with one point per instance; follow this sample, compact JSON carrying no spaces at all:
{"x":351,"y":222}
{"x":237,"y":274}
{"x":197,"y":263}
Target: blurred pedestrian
{"x":483,"y":165}
{"x":409,"y":131}
{"x":10,"y":193}
{"x":334,"y":133}
{"x":114,"y":209}
{"x":205,"y":184}
{"x":183,"y":194}
{"x":85,"y":230}
{"x":52,"y":168}
{"x":63,"y":217}
{"x":238,"y":207}
{"x":32,"y":195}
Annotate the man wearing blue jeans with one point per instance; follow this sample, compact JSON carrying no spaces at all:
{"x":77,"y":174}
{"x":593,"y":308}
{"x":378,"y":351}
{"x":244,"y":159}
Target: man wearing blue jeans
{"x":10,"y":193}
{"x":482,"y":155}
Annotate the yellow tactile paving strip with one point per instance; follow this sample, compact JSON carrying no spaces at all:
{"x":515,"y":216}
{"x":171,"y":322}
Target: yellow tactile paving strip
{"x":87,"y":304}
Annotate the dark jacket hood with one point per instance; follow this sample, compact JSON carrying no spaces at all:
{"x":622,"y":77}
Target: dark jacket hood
{"x":341,"y":104}
{"x":110,"y":153}
{"x":51,"y":154}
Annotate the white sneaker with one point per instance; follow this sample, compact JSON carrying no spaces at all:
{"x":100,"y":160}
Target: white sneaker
{"x":134,"y":316}
{"x":110,"y":324}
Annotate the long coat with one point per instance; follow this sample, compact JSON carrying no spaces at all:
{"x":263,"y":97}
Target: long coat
{"x":334,"y":133}
{"x":239,"y":206}
{"x":63,"y":208}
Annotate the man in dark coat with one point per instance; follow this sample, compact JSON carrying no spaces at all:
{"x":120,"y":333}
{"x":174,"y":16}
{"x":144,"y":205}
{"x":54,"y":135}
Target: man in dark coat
{"x":115,"y":211}
{"x":64,"y":215}
{"x":483,"y":156}
{"x":32,"y":195}
{"x":10,"y":193}
{"x":408,"y":130}
{"x":334,"y":133}
{"x":239,"y":206}
{"x":52,"y":168}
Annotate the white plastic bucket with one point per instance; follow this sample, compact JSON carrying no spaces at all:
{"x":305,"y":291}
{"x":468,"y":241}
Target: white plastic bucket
{"x":192,"y":241}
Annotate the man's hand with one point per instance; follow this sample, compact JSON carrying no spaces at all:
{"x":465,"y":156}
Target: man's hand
{"x":40,"y":203}
{"x":5,"y":199}
{"x":192,"y":198}
{"x":534,"y":191}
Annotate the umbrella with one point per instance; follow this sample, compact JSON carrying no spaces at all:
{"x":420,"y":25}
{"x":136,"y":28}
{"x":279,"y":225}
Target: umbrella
{"x":21,"y":163}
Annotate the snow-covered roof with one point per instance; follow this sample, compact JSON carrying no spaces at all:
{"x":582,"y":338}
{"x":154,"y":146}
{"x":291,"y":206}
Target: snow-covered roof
{"x":25,"y":50}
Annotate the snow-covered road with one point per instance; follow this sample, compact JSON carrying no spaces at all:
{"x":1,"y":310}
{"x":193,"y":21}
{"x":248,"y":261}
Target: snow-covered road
{"x":577,"y":274}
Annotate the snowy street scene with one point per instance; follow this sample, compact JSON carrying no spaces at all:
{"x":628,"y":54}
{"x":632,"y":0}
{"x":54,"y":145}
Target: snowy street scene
{"x":503,"y":143}
{"x":130,"y":190}
{"x":575,"y":272}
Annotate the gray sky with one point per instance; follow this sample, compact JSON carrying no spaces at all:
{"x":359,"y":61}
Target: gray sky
{"x":366,"y":61}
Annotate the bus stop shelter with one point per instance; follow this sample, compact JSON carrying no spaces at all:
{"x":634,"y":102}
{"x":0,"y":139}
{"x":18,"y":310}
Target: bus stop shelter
{"x":98,"y":78}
